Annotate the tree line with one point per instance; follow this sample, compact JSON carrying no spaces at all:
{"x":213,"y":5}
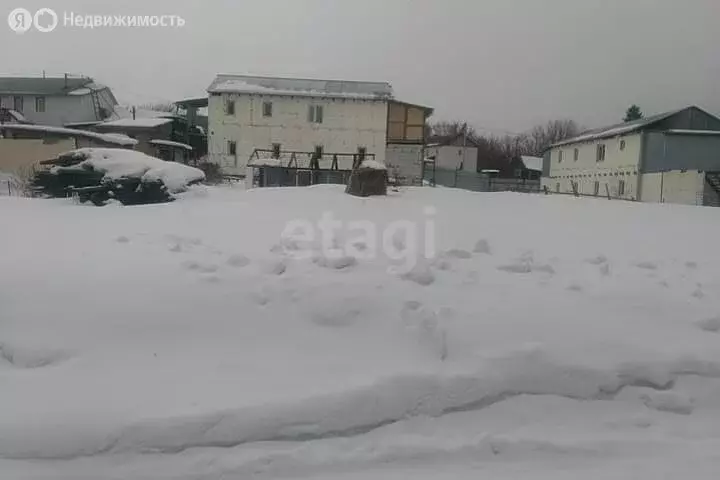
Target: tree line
{"x":497,"y":151}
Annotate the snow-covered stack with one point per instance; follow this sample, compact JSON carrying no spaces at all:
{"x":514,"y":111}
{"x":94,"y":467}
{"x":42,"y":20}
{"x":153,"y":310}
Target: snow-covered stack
{"x":369,"y":178}
{"x":99,"y":174}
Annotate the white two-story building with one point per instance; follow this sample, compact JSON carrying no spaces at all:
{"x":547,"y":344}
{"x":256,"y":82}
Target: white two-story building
{"x":324,"y":118}
{"x":672,"y":157}
{"x":247,"y":113}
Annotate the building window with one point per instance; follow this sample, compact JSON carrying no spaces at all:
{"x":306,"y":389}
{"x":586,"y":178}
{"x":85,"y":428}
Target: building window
{"x":232,"y":147}
{"x":40,"y":104}
{"x":600,"y":153}
{"x":576,"y":154}
{"x":230,"y":107}
{"x":621,"y":187}
{"x":18,"y":104}
{"x":315,"y":114}
{"x":622,"y":145}
{"x":267,"y":109}
{"x":560,"y":155}
{"x":276,"y":150}
{"x":597,"y":187}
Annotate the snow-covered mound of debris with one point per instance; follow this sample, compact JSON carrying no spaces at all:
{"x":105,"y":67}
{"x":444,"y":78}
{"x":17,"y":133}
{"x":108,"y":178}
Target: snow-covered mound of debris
{"x":305,"y":333}
{"x":117,"y":164}
{"x":101,"y":174}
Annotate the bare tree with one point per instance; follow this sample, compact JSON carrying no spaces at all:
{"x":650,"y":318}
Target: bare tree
{"x":542,"y":136}
{"x":448,"y":130}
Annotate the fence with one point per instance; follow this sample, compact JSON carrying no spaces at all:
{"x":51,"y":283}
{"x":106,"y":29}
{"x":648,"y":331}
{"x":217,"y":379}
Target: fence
{"x":478,"y":182}
{"x":12,"y":187}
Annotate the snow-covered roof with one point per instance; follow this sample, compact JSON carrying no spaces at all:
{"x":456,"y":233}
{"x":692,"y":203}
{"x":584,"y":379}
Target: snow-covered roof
{"x":117,"y":163}
{"x":300,"y":87}
{"x":532,"y":163}
{"x":620,"y":128}
{"x":169,"y":143}
{"x":692,"y":132}
{"x":42,"y":85}
{"x":82,"y":124}
{"x":121,"y":112}
{"x":114,"y":139}
{"x":137,"y":122}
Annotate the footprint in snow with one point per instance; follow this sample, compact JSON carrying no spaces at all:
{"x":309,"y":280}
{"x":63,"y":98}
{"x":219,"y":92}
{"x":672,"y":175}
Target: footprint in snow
{"x":278,"y":268}
{"x":200,"y":267}
{"x":605,"y":269}
{"x":647,"y":265}
{"x":122,"y":239}
{"x":691,"y":265}
{"x":458,"y":254}
{"x":482,"y":246}
{"x":522,"y":267}
{"x":599,"y":260}
{"x":574,"y":287}
{"x":238,"y":261}
{"x":709,"y":324}
{"x":413,"y":305}
{"x":336,"y":262}
{"x":420,"y":274}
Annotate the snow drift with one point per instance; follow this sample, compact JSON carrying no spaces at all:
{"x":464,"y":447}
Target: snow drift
{"x":555,"y":336}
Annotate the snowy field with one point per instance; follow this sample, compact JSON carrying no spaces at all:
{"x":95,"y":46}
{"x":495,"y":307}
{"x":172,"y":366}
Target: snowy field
{"x":550,"y":337}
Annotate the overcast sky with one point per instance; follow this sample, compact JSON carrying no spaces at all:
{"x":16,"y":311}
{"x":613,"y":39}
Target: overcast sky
{"x":503,"y":65}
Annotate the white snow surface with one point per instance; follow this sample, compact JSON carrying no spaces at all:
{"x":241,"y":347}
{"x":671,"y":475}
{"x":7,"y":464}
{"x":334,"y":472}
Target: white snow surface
{"x":241,"y":86}
{"x":191,"y":340}
{"x":373,"y":165}
{"x":138,"y":122}
{"x":119,"y":163}
{"x":170,"y":143}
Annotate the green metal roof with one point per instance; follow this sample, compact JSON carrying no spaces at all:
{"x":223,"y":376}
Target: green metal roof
{"x":41,"y":86}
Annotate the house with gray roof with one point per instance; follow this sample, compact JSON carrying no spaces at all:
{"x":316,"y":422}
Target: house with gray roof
{"x":57,"y":101}
{"x":672,"y":157}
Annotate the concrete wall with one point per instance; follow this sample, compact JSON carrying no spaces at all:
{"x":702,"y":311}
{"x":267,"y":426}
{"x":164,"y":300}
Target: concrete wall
{"x":347,"y":125}
{"x":20,"y":156}
{"x":451,"y":157}
{"x":405,"y":162}
{"x":622,"y":158}
{"x":60,"y":109}
{"x":685,"y":188}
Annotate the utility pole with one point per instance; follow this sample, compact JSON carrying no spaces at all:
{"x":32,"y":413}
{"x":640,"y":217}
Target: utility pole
{"x":462,"y":164}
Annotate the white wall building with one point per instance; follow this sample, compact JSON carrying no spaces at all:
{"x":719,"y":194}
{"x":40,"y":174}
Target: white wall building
{"x":294,"y":115}
{"x":57,"y":101}
{"x":673,"y":157}
{"x":455,"y":153}
{"x":314,"y":117}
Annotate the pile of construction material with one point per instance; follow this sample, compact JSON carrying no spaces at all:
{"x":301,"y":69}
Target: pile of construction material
{"x":99,"y":175}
